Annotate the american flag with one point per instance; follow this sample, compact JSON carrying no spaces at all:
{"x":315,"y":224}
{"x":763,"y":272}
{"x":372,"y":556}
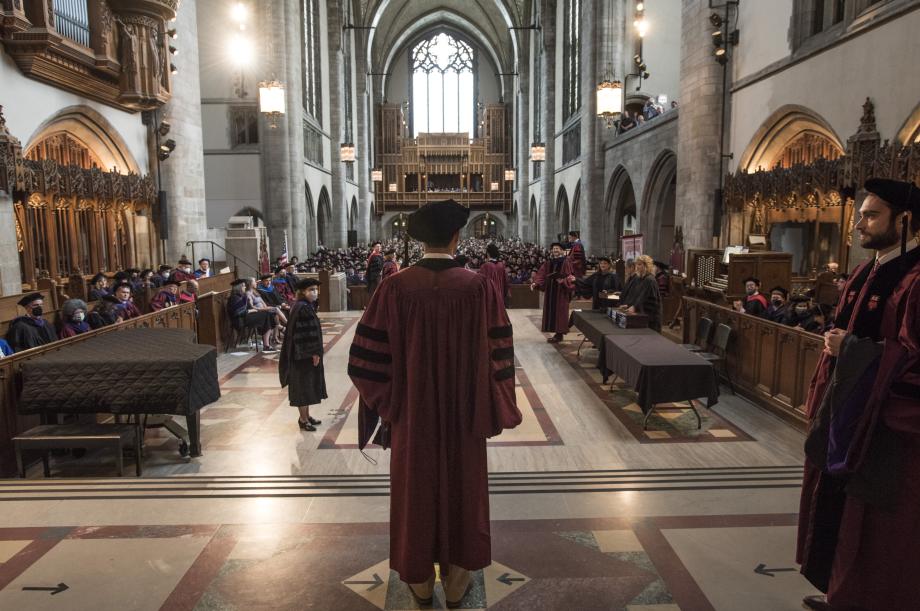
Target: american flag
{"x":283,"y":259}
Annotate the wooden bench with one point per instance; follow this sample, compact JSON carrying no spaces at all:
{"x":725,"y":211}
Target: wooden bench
{"x":55,"y":436}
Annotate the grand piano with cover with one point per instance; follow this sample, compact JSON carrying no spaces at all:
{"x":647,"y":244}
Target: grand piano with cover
{"x":134,"y":372}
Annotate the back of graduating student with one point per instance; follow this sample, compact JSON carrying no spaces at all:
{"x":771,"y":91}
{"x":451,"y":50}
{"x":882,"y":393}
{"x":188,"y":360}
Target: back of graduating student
{"x":433,"y":358}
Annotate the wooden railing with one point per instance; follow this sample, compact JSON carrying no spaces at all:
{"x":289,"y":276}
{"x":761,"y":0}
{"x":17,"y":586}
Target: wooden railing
{"x":11,"y":423}
{"x":770,"y":363}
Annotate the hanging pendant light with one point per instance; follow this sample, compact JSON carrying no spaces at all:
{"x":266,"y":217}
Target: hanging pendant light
{"x":538,"y":151}
{"x":377,"y":175}
{"x":271,"y":101}
{"x":610,"y":101}
{"x":347,"y":152}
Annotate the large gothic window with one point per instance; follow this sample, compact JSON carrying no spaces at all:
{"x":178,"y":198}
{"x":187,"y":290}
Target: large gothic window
{"x":312,"y":77}
{"x":571,"y":58}
{"x":443,"y":93}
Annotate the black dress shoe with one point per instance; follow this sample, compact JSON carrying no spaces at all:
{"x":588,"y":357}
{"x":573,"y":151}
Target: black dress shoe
{"x":314,"y":421}
{"x":816,"y":602}
{"x":305,"y":426}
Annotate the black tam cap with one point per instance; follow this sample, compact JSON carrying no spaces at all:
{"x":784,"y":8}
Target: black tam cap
{"x":306,"y":283}
{"x":664,"y":266}
{"x":238,"y":282}
{"x":265,"y":277}
{"x":28,"y":299}
{"x":900,"y":195}
{"x":752,"y":279}
{"x":111,"y":299}
{"x":437,"y":222}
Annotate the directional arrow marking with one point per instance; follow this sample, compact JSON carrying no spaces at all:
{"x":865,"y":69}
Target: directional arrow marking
{"x":53,"y":589}
{"x":376,"y":583}
{"x":763,"y":570}
{"x":507,"y":579}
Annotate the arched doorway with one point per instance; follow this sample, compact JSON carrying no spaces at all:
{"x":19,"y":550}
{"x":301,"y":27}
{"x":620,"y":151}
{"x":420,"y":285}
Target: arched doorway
{"x":562,"y":211}
{"x":658,"y":206}
{"x":323,"y":217}
{"x":534,"y":220}
{"x":620,"y":216}
{"x":485,"y":226}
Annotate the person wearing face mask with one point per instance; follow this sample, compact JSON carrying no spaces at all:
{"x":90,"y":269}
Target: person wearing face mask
{"x":183,"y":271}
{"x":754,"y":303}
{"x":801,"y":312}
{"x":30,"y":330}
{"x":73,"y":318}
{"x":166,"y":297}
{"x":162,"y":275}
{"x":300,"y":365}
{"x":778,"y":310}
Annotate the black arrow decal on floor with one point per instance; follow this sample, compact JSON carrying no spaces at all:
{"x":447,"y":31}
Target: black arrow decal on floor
{"x":377,"y":582}
{"x":762,"y":569}
{"x":53,"y":589}
{"x":507,"y":579}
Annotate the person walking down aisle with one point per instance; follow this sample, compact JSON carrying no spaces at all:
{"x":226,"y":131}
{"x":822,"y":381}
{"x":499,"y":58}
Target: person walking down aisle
{"x":555,"y":277}
{"x":300,"y":365}
{"x":859,"y":519}
{"x":433,"y":358}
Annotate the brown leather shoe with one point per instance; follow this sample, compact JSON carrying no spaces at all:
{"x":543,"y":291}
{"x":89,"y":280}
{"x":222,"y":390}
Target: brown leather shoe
{"x":816,"y":602}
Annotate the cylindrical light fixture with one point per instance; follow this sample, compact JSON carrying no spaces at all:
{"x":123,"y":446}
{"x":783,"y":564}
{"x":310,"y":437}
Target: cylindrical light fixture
{"x":347,"y":152}
{"x":377,"y":175}
{"x":392,"y":187}
{"x":509,"y":175}
{"x":271,"y":100}
{"x":538,"y":151}
{"x":610,"y":101}
{"x":494,"y":185}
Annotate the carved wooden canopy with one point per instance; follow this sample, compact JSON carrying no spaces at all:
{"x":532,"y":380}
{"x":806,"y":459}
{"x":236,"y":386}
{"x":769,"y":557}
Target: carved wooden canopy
{"x":827,"y":182}
{"x":113,"y":51}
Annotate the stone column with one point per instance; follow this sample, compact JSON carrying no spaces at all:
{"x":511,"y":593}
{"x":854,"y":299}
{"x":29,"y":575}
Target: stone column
{"x":293,"y":80}
{"x":522,"y":176}
{"x":338,"y":225}
{"x":10,"y":272}
{"x":274,"y":142}
{"x":698,"y":162}
{"x":591,"y":207}
{"x":546,"y":231}
{"x":183,"y":173}
{"x":362,"y":138}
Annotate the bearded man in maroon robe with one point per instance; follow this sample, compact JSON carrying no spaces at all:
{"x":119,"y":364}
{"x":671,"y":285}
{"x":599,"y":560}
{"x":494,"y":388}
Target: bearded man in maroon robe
{"x":577,"y":255}
{"x":494,"y":270}
{"x":433,"y":358}
{"x":859,"y":521}
{"x":556,"y":279}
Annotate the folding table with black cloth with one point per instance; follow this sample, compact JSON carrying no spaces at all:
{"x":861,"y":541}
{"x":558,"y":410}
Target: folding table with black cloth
{"x":132,"y":372}
{"x":660,"y":371}
{"x":595,"y":326}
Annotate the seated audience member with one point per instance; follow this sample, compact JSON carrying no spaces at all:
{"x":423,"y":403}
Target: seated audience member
{"x":800,"y":316}
{"x":145,"y":281}
{"x":73,"y":318}
{"x":661,"y":277}
{"x":778,"y":310}
{"x":204,"y":268}
{"x":167,"y":297}
{"x":821,"y":319}
{"x":738,"y":305}
{"x":242,"y":314}
{"x":183,"y":271}
{"x":282,"y":286}
{"x":32,"y":329}
{"x":650,"y":111}
{"x":601,"y":283}
{"x":97,"y":287}
{"x":279,"y":320}
{"x":125,"y":305}
{"x":104,"y":313}
{"x":5,"y":348}
{"x":162,"y":275}
{"x":755,"y":304}
{"x":352,"y":278}
{"x":627,"y":122}
{"x":188,"y":292}
{"x":266,"y":290}
{"x":840,"y":282}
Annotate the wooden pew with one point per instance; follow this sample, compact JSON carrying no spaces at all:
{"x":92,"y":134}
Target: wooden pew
{"x":770,"y":364}
{"x":11,"y":423}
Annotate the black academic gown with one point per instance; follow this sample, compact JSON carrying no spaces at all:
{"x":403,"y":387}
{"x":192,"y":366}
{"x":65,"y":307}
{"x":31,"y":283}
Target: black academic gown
{"x":26,"y":332}
{"x":644,"y":296}
{"x":302,"y":340}
{"x":597,"y":283}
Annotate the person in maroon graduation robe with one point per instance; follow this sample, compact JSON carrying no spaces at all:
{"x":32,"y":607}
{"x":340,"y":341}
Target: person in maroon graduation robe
{"x":859,"y":520}
{"x":433,"y":358}
{"x":390,"y":266}
{"x":555,"y":277}
{"x":494,"y":270}
{"x":577,"y":255}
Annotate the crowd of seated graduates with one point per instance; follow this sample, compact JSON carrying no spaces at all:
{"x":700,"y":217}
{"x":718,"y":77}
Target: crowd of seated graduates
{"x":109,"y":301}
{"x":801,"y":311}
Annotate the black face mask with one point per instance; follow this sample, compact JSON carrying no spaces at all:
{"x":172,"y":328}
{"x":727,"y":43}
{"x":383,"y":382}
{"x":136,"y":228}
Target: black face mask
{"x":37,"y":311}
{"x":777,"y":302}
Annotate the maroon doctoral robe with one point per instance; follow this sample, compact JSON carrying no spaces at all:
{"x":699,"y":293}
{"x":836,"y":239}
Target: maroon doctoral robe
{"x":858,"y":533}
{"x":389,"y":268}
{"x":495,"y":271}
{"x":578,"y":259}
{"x":433,"y":358}
{"x":552,"y":277}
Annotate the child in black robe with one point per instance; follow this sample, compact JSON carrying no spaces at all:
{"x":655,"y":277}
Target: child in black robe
{"x":300,"y":366}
